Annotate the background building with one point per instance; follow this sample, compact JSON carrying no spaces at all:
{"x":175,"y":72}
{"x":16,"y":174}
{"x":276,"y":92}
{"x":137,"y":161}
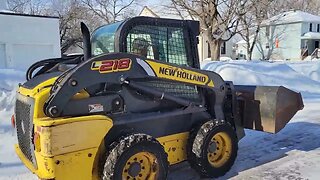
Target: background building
{"x":25,"y":39}
{"x":293,"y":35}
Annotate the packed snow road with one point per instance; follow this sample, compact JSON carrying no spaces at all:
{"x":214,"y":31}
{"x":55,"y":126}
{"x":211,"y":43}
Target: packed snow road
{"x":293,"y":153}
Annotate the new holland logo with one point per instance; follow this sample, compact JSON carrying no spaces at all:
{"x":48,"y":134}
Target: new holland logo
{"x":179,"y":73}
{"x":107,"y":66}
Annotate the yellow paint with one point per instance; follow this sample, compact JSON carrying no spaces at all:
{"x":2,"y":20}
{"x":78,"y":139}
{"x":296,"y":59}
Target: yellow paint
{"x":67,"y":148}
{"x":71,"y":144}
{"x":223,"y":149}
{"x":175,"y":146}
{"x":40,"y":94}
{"x":180,"y":74}
{"x":36,"y":140}
{"x":57,"y":121}
{"x":32,"y":92}
{"x":148,"y":163}
{"x":211,"y":84}
{"x":75,"y":165}
{"x":73,"y":136}
{"x":81,"y":95}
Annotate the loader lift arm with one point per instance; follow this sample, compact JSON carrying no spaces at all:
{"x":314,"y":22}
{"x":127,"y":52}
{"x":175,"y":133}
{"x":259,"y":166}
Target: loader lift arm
{"x":74,"y":81}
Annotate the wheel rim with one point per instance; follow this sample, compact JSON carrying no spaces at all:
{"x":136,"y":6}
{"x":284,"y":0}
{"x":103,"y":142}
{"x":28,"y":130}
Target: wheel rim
{"x":219,"y":149}
{"x":142,"y":165}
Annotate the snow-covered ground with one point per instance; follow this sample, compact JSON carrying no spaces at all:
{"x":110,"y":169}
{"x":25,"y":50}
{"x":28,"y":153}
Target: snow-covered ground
{"x":293,"y":153}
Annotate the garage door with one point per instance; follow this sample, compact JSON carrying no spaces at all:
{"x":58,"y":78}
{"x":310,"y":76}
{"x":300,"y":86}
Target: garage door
{"x":25,"y":55}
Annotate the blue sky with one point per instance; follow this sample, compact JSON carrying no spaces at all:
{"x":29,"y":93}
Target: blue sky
{"x":152,"y":3}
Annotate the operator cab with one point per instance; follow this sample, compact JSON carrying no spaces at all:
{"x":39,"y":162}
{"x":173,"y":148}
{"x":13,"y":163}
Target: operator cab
{"x":167,"y":40}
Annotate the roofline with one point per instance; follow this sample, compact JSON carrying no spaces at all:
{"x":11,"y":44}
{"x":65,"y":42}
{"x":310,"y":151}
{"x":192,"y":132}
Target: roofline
{"x":28,"y":15}
{"x":150,"y":10}
{"x":291,"y":22}
{"x":285,"y":23}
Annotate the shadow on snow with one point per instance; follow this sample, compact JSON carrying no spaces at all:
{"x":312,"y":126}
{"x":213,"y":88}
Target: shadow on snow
{"x":258,"y":148}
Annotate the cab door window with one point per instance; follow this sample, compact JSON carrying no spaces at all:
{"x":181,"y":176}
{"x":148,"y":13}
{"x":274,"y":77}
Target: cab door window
{"x":162,"y":43}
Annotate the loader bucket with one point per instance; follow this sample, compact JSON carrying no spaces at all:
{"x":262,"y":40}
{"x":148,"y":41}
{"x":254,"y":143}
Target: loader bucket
{"x":267,"y":108}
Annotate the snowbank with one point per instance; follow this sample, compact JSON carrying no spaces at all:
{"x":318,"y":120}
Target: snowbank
{"x":300,"y":76}
{"x":9,"y":80}
{"x":310,"y":69}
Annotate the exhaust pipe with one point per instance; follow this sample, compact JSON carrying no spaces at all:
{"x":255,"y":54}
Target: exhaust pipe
{"x":267,"y":108}
{"x":86,"y":41}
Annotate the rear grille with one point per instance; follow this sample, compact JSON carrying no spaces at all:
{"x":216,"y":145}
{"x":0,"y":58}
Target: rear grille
{"x":24,"y":124}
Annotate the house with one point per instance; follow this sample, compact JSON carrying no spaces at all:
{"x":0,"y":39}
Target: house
{"x":146,"y":11}
{"x":227,"y":48}
{"x":25,"y":39}
{"x":293,"y":35}
{"x":241,"y":49}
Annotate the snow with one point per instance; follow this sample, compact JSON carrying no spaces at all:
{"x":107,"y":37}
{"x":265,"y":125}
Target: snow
{"x":9,"y":80}
{"x":308,"y":68}
{"x":311,"y":35}
{"x":300,"y":76}
{"x":6,"y":11}
{"x":243,"y":42}
{"x":291,"y":154}
{"x":293,"y":16}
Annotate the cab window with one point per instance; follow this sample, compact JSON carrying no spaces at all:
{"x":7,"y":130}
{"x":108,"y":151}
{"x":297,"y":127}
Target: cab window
{"x":103,"y":39}
{"x":155,"y":42}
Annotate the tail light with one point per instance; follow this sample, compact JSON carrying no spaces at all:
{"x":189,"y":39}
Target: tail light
{"x":13,"y":121}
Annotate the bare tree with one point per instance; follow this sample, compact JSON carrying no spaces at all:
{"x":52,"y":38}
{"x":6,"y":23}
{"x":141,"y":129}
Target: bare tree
{"x":250,"y":22}
{"x":34,"y":7}
{"x":17,"y":5}
{"x":111,"y":10}
{"x":71,"y":13}
{"x":267,"y":43}
{"x":219,"y":19}
{"x":310,"y":6}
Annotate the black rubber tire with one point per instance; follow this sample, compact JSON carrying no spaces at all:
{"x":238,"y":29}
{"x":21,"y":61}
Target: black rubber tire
{"x":198,"y":145}
{"x":126,"y":147}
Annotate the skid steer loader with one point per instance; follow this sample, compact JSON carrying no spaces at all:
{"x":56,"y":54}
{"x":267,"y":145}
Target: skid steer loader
{"x":137,"y":102}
